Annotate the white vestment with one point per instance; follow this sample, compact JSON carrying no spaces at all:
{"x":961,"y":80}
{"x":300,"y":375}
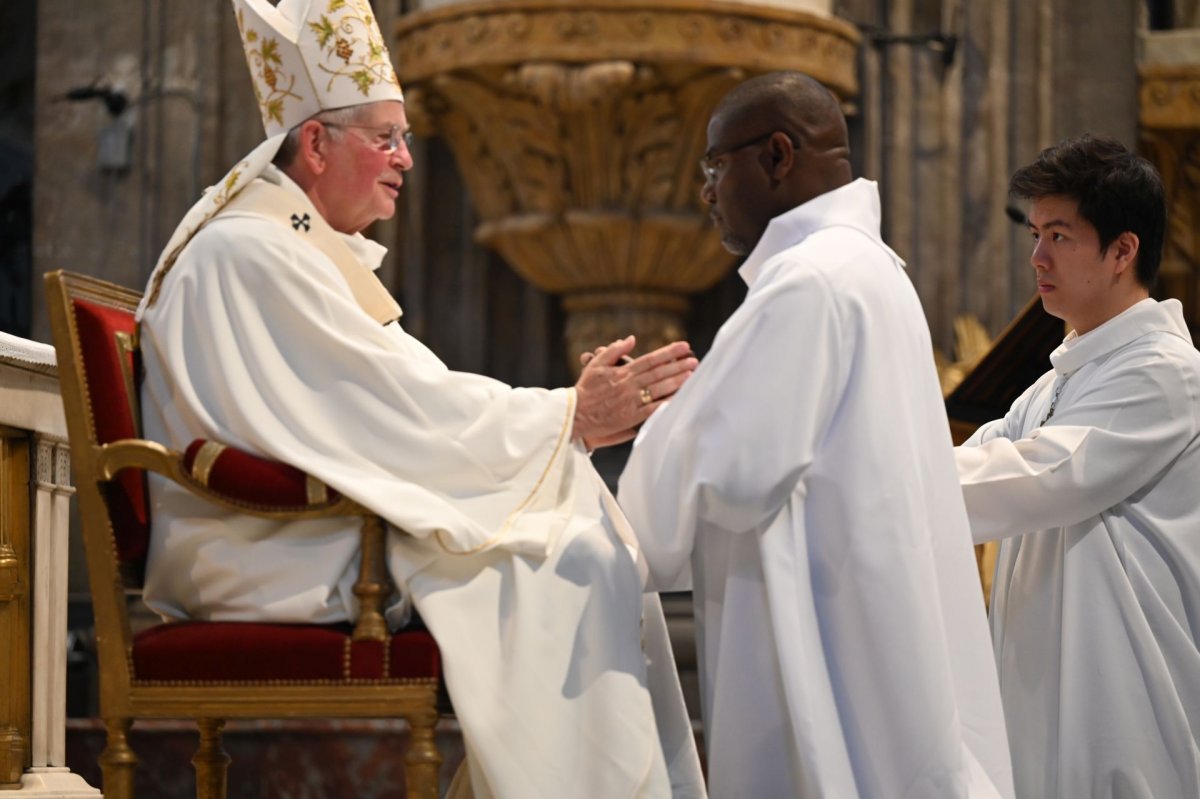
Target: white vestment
{"x":805,"y":474}
{"x":504,"y":536}
{"x":1096,"y":599}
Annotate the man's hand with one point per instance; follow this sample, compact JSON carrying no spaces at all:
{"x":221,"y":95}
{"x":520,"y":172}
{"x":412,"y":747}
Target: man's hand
{"x":615,"y":394}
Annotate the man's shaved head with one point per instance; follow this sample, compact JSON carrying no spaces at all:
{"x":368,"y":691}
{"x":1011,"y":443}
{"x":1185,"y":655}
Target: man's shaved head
{"x":792,"y":102}
{"x":801,"y":151}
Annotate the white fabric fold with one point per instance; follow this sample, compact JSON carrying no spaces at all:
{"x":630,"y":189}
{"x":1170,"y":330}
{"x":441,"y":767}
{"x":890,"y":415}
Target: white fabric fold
{"x":803,"y":481}
{"x":1096,"y":597}
{"x":502,"y":535}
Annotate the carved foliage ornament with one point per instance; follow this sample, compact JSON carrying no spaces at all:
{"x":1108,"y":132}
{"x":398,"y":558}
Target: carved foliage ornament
{"x":680,"y":31}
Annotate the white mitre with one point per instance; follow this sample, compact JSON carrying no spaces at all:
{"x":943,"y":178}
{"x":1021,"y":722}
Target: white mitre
{"x":305,"y":56}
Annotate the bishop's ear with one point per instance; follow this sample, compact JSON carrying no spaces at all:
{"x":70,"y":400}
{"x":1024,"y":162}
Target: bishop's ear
{"x":314,"y":145}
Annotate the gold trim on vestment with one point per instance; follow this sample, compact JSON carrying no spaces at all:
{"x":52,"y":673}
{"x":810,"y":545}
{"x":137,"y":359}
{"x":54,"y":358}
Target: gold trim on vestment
{"x":206,"y":458}
{"x":568,"y":423}
{"x":315,"y":491}
{"x":296,"y":214}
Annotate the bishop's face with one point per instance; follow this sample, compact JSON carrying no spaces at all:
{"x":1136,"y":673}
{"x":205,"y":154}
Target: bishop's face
{"x":364,"y":179}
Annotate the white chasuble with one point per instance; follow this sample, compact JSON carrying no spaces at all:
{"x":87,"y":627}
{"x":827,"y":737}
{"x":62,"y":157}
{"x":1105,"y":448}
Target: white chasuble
{"x":502,"y":535}
{"x":802,"y":482}
{"x":1096,"y":599}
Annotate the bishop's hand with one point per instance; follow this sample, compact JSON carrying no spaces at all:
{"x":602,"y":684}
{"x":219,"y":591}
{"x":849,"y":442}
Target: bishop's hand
{"x":615,"y":394}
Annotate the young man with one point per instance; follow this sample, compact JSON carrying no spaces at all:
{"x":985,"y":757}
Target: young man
{"x":265,"y":328}
{"x":1090,"y":482}
{"x":802,"y":484}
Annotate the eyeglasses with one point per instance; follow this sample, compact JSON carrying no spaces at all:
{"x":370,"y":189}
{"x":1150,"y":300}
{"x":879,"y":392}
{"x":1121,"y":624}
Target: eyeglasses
{"x":710,"y":164}
{"x":387,"y":139}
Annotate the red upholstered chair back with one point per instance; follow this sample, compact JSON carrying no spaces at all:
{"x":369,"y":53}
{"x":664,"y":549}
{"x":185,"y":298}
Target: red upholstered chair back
{"x":107,"y":339}
{"x":95,"y":336}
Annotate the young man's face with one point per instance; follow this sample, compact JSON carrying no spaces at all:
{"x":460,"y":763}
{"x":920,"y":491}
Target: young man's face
{"x":1076,"y":281}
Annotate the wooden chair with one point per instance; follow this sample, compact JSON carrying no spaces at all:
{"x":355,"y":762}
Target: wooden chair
{"x":214,"y":671}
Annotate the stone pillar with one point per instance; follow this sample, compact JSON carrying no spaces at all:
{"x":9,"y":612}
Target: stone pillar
{"x":35,"y":492}
{"x":578,"y":127}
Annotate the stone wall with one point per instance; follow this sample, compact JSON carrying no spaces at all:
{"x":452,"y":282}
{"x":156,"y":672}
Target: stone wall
{"x":189,"y":114}
{"x":943,"y":127}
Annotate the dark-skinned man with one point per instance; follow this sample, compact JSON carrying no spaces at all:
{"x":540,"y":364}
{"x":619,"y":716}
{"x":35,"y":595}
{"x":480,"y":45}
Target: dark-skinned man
{"x":802,"y":484}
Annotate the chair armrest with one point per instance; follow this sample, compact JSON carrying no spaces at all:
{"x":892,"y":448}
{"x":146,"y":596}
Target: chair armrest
{"x":245,"y":483}
{"x":137,"y":453}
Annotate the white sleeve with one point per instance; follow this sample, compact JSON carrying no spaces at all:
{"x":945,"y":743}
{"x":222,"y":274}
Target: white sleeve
{"x":261,"y":345}
{"x":1009,"y":425}
{"x":730,"y":448}
{"x":1098,"y":451}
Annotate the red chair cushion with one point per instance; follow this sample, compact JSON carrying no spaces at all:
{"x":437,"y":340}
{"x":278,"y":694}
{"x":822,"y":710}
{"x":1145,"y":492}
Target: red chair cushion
{"x":249,"y":478}
{"x":257,"y":652}
{"x":112,"y":411}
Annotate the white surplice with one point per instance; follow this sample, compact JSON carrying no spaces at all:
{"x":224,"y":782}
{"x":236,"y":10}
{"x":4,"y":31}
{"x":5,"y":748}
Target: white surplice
{"x":804,"y":479}
{"x":1096,"y":599}
{"x":511,"y":548}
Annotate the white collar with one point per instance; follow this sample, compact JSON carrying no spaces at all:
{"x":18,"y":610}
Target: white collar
{"x":1146,"y":316}
{"x":854,"y":205}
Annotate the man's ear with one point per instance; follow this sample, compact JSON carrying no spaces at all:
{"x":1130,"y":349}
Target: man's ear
{"x":313,"y":148}
{"x":782,"y":154}
{"x":1125,"y":249}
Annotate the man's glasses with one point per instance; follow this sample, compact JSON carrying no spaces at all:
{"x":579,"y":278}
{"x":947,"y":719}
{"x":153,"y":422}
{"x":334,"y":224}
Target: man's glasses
{"x":711,"y":164}
{"x":386,"y":139}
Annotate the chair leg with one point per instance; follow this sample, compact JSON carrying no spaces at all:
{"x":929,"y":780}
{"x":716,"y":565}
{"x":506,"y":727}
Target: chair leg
{"x":211,"y":761}
{"x":118,"y":763}
{"x":422,"y":760}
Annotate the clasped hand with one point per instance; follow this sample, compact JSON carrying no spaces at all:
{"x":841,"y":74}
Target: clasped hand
{"x":615,"y":394}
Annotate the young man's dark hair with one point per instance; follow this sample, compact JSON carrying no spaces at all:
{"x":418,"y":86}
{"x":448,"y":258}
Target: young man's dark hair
{"x":1116,"y":190}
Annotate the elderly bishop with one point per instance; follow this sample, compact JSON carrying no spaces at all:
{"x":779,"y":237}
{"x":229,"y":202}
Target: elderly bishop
{"x":264,"y":327}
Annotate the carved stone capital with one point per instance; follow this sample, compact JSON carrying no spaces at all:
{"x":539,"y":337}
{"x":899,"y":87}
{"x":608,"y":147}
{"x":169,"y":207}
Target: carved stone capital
{"x":52,"y":464}
{"x":695,"y":33}
{"x":578,"y":126}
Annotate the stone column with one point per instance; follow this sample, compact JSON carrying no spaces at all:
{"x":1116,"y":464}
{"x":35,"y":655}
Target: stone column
{"x":49,"y":776}
{"x":577,"y":128}
{"x":35,"y":481}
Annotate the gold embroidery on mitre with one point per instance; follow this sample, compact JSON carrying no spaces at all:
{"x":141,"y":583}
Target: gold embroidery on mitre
{"x":353,"y":38}
{"x":289,"y":50}
{"x":266,"y":72}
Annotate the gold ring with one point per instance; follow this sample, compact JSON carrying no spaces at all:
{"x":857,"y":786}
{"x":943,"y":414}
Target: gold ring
{"x":646,"y":396}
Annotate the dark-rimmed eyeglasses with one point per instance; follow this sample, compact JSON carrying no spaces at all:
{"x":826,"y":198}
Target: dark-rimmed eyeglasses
{"x":710,"y":164}
{"x":387,"y":138}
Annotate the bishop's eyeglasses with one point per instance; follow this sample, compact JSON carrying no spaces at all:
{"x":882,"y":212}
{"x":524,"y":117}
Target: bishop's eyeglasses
{"x":387,"y":138}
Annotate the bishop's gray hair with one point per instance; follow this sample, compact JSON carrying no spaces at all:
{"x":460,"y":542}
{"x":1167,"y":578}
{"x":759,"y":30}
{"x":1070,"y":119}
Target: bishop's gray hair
{"x":338,"y":116}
